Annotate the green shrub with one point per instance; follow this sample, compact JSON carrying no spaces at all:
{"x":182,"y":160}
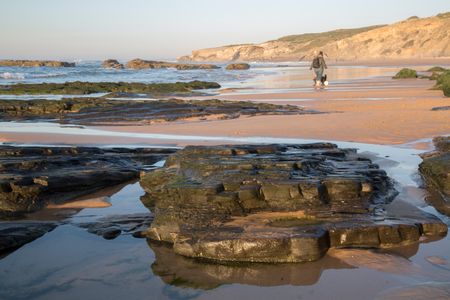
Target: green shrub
{"x":437,"y":69}
{"x":406,"y":73}
{"x":443,"y":83}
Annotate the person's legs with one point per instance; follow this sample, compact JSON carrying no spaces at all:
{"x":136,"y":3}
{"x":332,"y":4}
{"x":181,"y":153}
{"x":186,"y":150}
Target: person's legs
{"x":319,"y":74}
{"x":318,"y":79}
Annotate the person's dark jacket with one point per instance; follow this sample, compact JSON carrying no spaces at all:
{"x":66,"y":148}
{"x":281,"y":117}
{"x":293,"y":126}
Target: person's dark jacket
{"x":322,"y":63}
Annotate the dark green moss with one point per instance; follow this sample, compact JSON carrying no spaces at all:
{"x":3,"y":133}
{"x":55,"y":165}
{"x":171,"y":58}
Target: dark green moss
{"x":406,"y":73}
{"x":85,"y":88}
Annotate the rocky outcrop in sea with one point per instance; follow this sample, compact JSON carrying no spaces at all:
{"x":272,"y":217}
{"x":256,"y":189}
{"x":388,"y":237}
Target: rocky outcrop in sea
{"x":112,"y":64}
{"x":36,"y":63}
{"x":150,"y":64}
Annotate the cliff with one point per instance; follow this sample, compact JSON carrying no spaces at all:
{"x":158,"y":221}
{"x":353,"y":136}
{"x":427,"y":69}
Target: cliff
{"x":411,"y":38}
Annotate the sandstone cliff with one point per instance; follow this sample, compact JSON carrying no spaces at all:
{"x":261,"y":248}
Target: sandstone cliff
{"x":412,"y":38}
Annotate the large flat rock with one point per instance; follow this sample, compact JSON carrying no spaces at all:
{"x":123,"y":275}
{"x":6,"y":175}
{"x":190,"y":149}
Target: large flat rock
{"x":276,"y":203}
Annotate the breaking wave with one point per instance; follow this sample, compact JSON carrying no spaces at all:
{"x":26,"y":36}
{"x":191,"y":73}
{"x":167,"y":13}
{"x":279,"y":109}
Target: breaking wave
{"x":23,"y":76}
{"x":9,"y":75}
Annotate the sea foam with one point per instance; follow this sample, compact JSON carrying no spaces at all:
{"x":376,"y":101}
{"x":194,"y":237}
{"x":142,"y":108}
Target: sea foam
{"x":9,"y":75}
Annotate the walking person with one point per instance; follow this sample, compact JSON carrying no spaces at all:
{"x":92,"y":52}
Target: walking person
{"x":319,"y":65}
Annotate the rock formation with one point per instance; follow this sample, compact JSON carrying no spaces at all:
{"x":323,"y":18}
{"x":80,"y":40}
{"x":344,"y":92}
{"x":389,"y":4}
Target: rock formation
{"x":35,"y":63}
{"x":239,"y":66}
{"x":435,"y":170}
{"x":112,"y":64}
{"x":86,"y":88}
{"x":95,"y":111}
{"x":33,"y":176}
{"x":150,"y":64}
{"x":275,"y":203}
{"x":412,"y":38}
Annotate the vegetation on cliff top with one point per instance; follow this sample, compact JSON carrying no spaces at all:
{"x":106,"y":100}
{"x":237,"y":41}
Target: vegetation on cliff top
{"x":323,"y":38}
{"x":85,"y":88}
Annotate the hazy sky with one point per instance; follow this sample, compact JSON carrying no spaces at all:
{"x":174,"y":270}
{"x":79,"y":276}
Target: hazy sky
{"x":98,"y":29}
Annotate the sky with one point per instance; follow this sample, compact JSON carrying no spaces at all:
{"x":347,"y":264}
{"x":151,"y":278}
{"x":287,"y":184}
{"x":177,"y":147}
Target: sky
{"x":165,"y":29}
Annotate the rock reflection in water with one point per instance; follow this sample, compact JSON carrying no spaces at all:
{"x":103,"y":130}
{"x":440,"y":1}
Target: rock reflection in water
{"x":180,"y":271}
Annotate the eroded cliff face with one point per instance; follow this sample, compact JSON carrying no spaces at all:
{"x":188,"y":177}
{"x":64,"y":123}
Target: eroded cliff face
{"x":412,"y":38}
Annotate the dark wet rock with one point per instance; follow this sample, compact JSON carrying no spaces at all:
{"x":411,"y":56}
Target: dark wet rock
{"x":35,"y":63}
{"x":112,"y":64}
{"x":94,"y":111}
{"x":85,"y":88}
{"x":435,"y":170}
{"x":440,"y":108}
{"x":112,"y":226}
{"x":150,"y":64}
{"x":31,"y":177}
{"x":275,"y":203}
{"x":15,"y":234}
{"x":238,"y":66}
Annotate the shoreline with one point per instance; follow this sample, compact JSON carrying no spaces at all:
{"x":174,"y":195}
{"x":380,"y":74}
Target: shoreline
{"x":363,"y":105}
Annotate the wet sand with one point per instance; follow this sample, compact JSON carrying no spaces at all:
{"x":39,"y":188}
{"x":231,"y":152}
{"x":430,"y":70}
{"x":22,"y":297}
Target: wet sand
{"x":384,"y":115}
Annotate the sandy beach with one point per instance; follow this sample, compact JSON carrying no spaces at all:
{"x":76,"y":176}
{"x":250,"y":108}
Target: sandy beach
{"x":397,"y":116}
{"x":365,"y":106}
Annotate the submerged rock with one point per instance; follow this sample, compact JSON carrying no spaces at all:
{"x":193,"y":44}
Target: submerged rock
{"x":112,"y":64}
{"x":435,"y":170}
{"x":112,"y":226}
{"x":150,"y":64}
{"x":275,"y":203}
{"x":35,"y":63}
{"x":238,"y":66}
{"x":31,"y":177}
{"x":16,"y":234}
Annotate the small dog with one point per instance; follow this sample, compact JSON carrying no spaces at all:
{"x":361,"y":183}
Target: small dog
{"x":322,"y":82}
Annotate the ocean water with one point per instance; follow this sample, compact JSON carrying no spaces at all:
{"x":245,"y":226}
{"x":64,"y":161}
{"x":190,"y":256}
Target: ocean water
{"x":93,"y":72}
{"x":262,"y":77}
